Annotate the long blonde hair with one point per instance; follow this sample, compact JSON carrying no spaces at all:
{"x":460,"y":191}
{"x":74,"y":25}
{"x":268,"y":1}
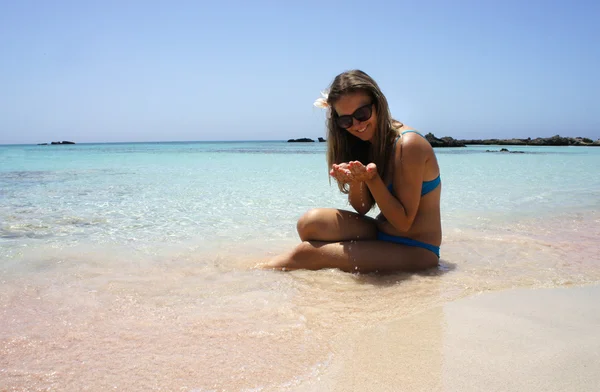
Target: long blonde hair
{"x":342,"y":146}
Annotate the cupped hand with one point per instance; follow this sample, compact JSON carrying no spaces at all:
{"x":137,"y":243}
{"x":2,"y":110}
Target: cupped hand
{"x":361,"y":172}
{"x":353,"y":171}
{"x":341,"y":172}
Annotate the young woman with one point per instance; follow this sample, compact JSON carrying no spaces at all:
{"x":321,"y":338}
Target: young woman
{"x":375,"y":160}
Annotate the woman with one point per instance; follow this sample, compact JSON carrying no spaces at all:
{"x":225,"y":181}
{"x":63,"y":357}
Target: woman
{"x":375,"y":160}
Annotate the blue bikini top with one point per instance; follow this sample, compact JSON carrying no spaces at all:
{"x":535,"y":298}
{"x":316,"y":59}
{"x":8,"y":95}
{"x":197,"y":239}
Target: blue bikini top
{"x":427,"y":186}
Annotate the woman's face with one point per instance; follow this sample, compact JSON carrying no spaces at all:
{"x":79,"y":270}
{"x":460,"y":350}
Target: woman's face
{"x":359,"y":104}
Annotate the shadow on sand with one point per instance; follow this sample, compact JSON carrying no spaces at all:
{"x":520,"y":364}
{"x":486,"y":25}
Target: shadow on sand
{"x":393,"y":278}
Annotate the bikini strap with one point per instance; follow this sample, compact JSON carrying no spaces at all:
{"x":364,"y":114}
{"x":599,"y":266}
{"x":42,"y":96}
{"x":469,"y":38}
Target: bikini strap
{"x":396,"y":141}
{"x":410,"y":130}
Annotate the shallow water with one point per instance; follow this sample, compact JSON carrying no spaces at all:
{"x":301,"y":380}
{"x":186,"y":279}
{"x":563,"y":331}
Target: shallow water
{"x":132,"y":265}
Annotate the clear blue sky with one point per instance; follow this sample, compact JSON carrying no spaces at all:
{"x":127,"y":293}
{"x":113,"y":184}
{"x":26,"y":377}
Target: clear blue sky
{"x":105,"y":71}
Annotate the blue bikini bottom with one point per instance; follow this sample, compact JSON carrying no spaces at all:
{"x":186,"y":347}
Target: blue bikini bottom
{"x":409,"y":242}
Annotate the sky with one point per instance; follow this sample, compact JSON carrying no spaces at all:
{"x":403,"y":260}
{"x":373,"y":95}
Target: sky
{"x":125,"y":71}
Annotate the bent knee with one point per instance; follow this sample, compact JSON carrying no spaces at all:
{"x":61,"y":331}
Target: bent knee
{"x":313,"y":224}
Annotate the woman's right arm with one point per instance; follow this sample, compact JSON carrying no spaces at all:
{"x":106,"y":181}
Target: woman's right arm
{"x":359,"y":197}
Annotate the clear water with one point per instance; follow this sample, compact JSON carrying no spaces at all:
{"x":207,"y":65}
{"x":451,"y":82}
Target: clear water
{"x":132,"y":265}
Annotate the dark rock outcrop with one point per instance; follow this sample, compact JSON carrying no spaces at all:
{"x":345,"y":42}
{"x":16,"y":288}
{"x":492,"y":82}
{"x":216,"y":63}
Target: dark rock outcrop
{"x":446,"y":141}
{"x":506,"y":150}
{"x":498,"y":142}
{"x":63,"y":142}
{"x":555,"y":140}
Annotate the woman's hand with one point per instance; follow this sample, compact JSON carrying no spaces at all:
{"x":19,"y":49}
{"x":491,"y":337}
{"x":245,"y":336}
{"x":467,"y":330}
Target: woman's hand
{"x":361,"y":172}
{"x":341,"y":173}
{"x":353,"y":171}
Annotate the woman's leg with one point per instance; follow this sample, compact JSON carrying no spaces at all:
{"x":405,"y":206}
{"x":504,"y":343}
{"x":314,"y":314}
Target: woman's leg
{"x":332,"y":225}
{"x":356,"y":256}
{"x":346,"y":240}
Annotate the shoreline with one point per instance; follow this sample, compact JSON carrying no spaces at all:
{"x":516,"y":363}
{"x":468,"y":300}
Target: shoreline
{"x":308,"y":331}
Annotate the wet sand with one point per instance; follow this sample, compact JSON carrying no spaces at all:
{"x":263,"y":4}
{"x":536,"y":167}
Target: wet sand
{"x":514,"y":340}
{"x":91,"y":319}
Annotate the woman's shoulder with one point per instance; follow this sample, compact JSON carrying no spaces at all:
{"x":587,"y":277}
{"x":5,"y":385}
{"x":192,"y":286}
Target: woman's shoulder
{"x":411,"y":136}
{"x":412,"y":142}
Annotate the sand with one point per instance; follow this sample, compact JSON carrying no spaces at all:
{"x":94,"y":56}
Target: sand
{"x":515,"y":340}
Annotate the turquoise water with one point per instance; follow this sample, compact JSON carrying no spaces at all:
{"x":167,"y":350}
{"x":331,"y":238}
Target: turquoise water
{"x":140,"y":257}
{"x":149,"y":193}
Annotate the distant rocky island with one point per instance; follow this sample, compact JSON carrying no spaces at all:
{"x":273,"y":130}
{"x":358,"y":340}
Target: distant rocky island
{"x":63,"y":142}
{"x":506,"y":150}
{"x":555,"y":140}
{"x":305,"y":140}
{"x":448,"y":141}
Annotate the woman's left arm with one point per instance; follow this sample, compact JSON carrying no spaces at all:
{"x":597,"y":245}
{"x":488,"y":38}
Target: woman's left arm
{"x":409,"y":169}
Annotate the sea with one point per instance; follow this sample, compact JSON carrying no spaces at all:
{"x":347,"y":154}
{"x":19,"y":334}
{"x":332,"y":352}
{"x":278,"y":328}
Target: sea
{"x":136,"y":266}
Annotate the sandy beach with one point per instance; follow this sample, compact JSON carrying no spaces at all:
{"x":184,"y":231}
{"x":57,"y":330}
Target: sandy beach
{"x":116,"y":274}
{"x":514,"y":340}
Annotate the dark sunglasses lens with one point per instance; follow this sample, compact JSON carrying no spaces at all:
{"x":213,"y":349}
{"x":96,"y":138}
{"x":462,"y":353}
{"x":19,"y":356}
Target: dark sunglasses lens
{"x":344,"y":121}
{"x":363,"y":114}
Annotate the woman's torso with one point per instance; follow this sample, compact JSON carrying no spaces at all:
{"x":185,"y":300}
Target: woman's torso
{"x":427,"y":225}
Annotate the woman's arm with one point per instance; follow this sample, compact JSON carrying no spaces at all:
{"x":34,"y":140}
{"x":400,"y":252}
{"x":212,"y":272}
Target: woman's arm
{"x":360,"y":198}
{"x":409,"y":169}
{"x":354,"y":174}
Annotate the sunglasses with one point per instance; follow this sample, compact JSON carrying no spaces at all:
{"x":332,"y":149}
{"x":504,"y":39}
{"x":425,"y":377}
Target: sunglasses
{"x":361,"y":114}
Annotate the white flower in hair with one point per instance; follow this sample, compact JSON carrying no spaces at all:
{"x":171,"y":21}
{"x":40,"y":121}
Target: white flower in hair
{"x":322,"y":101}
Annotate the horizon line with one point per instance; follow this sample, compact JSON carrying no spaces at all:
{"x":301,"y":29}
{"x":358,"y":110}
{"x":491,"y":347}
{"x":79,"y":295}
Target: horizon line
{"x":268,"y":140}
